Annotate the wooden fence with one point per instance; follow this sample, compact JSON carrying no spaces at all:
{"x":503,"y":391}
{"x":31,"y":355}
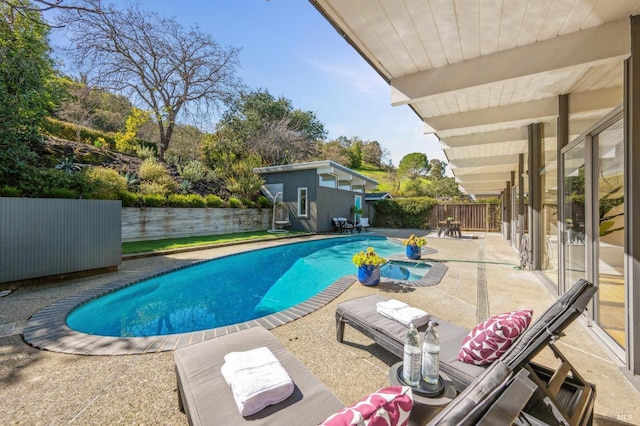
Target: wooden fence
{"x":473,"y":217}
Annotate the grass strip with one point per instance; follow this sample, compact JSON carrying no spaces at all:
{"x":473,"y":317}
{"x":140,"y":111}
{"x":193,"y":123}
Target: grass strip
{"x":177,"y":243}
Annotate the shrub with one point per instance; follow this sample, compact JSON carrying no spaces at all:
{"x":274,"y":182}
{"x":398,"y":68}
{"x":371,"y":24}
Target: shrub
{"x":213,"y":200}
{"x":178,"y":200}
{"x":404,"y":212}
{"x":10,"y":191}
{"x":248,"y":203}
{"x":194,"y":171}
{"x":153,"y":200}
{"x":147,"y":188}
{"x":105,"y":183}
{"x":196,"y":200}
{"x":263,"y":201}
{"x":145,"y":152}
{"x":68,"y":131}
{"x":59,"y":193}
{"x":235,"y":203}
{"x":39,"y":181}
{"x":130,"y":199}
{"x":151,"y":170}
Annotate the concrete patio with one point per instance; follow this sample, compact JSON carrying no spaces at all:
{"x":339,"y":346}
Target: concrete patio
{"x":42,"y":387}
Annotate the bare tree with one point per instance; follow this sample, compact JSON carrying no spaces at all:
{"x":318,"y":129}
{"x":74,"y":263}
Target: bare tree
{"x":155,"y":61}
{"x":24,"y":7}
{"x":278,"y":143}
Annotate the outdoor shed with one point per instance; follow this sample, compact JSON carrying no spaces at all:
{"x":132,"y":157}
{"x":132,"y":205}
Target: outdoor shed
{"x":312,"y":194}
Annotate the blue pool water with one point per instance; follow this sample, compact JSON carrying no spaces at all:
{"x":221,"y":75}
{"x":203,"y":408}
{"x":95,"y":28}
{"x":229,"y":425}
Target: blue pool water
{"x":231,"y":289}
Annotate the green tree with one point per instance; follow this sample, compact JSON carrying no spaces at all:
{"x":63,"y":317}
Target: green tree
{"x":333,"y":151}
{"x":437,"y":169}
{"x":25,"y":97}
{"x":220,"y":152}
{"x":445,"y":189}
{"x":414,"y":165}
{"x":270,"y":127}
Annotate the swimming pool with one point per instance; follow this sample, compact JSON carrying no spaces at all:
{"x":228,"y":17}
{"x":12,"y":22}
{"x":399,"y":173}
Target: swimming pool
{"x":231,"y":289}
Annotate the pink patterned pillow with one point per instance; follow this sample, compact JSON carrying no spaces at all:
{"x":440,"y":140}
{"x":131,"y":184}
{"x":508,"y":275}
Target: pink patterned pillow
{"x":491,"y":338}
{"x":388,"y":406}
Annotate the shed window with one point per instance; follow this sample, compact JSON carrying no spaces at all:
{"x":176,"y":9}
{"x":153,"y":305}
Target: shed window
{"x":328,"y":181}
{"x":303,"y":205}
{"x":344,"y":184}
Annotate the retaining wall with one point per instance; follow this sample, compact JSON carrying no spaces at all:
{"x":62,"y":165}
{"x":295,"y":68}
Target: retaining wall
{"x":157,"y":223}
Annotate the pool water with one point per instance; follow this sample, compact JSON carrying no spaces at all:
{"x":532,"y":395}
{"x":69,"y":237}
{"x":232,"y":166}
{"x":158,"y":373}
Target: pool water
{"x":232,"y":289}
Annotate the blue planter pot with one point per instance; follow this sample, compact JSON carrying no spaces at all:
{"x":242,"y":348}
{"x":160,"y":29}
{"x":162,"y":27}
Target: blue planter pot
{"x":413,"y":252}
{"x":369,"y":275}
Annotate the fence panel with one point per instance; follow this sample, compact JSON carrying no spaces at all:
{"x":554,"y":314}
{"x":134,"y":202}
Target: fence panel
{"x":40,"y":237}
{"x":473,"y":217}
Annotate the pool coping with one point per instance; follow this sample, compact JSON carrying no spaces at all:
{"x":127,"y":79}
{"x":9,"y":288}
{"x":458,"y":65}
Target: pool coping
{"x":48,"y":330}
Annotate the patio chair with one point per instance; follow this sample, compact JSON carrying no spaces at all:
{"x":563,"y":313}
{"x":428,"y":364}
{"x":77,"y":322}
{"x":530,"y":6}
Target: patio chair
{"x":364,"y":224}
{"x":571,"y":399}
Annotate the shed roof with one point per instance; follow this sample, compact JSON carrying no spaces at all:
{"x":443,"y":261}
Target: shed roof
{"x":324,"y":167}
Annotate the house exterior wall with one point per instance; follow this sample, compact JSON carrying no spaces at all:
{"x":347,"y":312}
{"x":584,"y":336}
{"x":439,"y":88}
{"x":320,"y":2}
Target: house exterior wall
{"x":292,"y":180}
{"x":334,"y":203}
{"x":324,"y":203}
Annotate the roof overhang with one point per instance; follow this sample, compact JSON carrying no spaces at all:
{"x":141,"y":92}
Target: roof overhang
{"x":326,"y":167}
{"x":477,"y":73}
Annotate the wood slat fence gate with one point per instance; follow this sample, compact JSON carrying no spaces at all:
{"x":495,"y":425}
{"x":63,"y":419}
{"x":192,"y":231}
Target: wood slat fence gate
{"x":473,"y":217}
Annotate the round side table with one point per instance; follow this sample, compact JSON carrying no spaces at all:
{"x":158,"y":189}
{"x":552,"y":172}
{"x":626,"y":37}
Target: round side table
{"x":425,"y":408}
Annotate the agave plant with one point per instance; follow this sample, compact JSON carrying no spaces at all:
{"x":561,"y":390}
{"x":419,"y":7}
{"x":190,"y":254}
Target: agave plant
{"x":68,"y":165}
{"x":132,"y":179}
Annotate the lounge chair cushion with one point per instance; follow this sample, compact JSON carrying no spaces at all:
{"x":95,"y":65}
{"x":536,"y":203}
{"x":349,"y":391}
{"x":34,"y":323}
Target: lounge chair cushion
{"x":491,"y":338}
{"x":468,"y":407}
{"x":207,"y":399}
{"x":388,"y":406}
{"x":361,"y":314}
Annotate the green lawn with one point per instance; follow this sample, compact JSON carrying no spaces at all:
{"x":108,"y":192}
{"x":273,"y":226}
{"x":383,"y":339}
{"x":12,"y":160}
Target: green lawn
{"x":177,"y":243}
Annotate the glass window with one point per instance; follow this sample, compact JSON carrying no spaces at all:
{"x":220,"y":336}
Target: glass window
{"x":302,"y":202}
{"x":344,"y":184}
{"x":328,"y":181}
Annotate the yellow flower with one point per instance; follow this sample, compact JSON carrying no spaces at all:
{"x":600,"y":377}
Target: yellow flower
{"x":369,"y":257}
{"x":415,"y":241}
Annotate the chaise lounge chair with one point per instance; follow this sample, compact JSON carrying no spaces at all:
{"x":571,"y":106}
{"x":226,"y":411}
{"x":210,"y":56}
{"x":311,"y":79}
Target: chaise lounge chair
{"x":495,"y":397}
{"x":570,"y":397}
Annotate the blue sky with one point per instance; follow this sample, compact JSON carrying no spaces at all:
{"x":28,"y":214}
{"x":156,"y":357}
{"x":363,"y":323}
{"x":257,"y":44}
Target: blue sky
{"x":289,"y":49}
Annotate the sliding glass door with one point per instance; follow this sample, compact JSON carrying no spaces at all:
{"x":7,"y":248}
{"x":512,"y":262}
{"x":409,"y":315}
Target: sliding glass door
{"x":573,"y":220}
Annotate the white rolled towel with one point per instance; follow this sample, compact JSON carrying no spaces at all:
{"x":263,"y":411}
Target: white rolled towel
{"x":257,"y":379}
{"x":401,"y":312}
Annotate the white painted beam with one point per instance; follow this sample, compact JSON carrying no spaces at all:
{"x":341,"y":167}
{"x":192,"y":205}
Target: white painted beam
{"x":484,"y":161}
{"x":535,"y":111}
{"x":594,"y":46}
